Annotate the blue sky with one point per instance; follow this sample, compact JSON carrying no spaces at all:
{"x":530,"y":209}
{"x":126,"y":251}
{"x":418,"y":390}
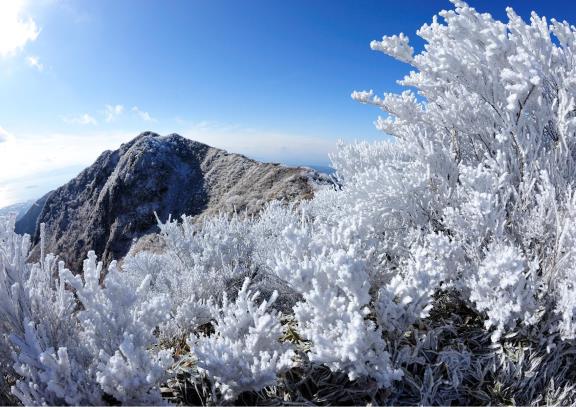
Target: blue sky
{"x":270,"y":79}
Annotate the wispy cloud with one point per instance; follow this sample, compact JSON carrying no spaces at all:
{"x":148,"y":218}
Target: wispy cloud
{"x":84,"y":119}
{"x":111,"y":112}
{"x":143,"y":115}
{"x":34,"y":62}
{"x":4,"y":135}
{"x":16,"y":29}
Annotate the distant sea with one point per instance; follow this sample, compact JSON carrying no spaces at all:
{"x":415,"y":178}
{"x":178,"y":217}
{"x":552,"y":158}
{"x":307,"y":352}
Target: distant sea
{"x":322,"y":168}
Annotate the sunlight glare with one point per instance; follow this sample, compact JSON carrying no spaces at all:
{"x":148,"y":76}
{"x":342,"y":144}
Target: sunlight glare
{"x":16,"y":29}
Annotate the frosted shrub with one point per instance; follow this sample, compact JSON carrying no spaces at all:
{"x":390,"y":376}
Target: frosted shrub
{"x":200,"y":262}
{"x":567,"y":306}
{"x":493,"y":133}
{"x":38,"y":328}
{"x":562,"y":259}
{"x":471,"y":199}
{"x":408,"y":297}
{"x":245,"y":352}
{"x":503,"y":288}
{"x":327,"y":269}
{"x":124,"y":366}
{"x":68,"y":351}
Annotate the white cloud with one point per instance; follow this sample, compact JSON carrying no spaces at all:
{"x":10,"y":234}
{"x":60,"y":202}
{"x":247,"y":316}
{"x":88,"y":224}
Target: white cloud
{"x":4,"y":135}
{"x":83,"y":119}
{"x":143,"y":115}
{"x":34,"y":62}
{"x":16,"y":30}
{"x":111,"y":112}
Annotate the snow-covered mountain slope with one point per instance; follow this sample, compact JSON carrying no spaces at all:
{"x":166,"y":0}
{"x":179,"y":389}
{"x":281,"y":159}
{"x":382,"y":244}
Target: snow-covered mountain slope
{"x":19,"y":209}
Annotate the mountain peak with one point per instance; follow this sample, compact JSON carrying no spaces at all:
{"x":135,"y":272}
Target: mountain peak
{"x":113,"y":202}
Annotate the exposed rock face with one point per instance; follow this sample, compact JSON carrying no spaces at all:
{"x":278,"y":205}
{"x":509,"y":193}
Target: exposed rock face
{"x":112,"y":202}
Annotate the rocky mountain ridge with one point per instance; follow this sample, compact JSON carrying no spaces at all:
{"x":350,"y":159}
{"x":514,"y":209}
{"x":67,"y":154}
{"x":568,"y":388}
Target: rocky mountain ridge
{"x":112,"y":203}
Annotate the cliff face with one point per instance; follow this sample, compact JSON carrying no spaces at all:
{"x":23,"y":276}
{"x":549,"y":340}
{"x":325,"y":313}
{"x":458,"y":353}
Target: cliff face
{"x":26,"y":222}
{"x":112,"y":203}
